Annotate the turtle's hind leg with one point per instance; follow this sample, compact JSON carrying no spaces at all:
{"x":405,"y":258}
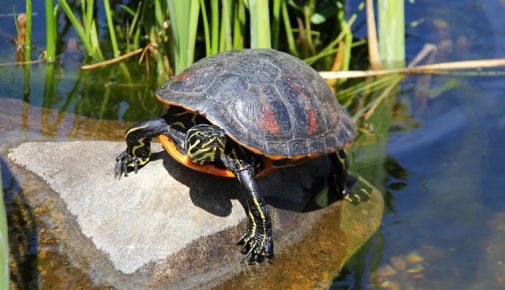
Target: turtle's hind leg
{"x":138,"y":141}
{"x":344,"y":180}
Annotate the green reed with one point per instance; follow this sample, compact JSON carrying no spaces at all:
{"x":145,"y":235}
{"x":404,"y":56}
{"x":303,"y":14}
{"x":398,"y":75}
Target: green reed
{"x":50,"y":31}
{"x":290,"y":38}
{"x":87,"y":30}
{"x":391,"y":32}
{"x":134,"y":28}
{"x":215,"y":27}
{"x":260,"y":23}
{"x":225,"y":36}
{"x":223,"y":27}
{"x":175,"y":32}
{"x":239,"y":25}
{"x":276,"y":22}
{"x":28,"y":35}
{"x":184,"y":20}
{"x":110,"y":26}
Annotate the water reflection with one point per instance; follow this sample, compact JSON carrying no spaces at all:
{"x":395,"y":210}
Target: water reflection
{"x":23,"y":234}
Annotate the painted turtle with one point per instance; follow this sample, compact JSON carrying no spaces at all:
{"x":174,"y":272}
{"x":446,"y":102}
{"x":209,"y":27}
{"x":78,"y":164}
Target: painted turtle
{"x":241,"y":114}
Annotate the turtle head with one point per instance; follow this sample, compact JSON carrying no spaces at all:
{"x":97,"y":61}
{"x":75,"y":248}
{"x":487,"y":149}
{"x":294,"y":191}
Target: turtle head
{"x":205,"y":143}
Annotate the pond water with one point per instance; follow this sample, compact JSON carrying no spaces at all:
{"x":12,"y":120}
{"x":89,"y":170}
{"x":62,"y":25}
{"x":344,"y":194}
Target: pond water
{"x":442,"y":176}
{"x":444,"y":227}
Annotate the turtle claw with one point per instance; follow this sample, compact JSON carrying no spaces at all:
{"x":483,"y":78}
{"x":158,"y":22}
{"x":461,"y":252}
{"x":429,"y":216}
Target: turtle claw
{"x":356,"y":198}
{"x":123,"y":162}
{"x":243,"y":238}
{"x":257,"y":248}
{"x":352,"y":197}
{"x":251,"y":258}
{"x":347,"y":193}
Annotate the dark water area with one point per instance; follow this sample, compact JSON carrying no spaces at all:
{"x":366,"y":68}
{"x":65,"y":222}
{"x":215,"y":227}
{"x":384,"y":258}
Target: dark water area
{"x":442,"y":178}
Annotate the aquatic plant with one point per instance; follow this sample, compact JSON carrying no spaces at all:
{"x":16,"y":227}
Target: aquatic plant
{"x":50,"y":30}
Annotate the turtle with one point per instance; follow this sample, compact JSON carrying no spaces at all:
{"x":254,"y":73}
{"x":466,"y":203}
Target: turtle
{"x":244,"y":114}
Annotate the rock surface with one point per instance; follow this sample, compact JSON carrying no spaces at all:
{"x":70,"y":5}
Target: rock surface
{"x":146,"y":217}
{"x":135,"y":220}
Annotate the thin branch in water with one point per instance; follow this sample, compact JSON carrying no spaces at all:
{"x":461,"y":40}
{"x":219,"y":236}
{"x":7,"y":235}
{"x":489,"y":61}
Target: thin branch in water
{"x":112,"y":61}
{"x":42,"y":59}
{"x":436,"y":68}
{"x":427,"y":49}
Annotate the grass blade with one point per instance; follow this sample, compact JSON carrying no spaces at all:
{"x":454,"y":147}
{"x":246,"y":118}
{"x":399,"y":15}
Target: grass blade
{"x":239,"y":25}
{"x":50,"y":31}
{"x":225,"y":41}
{"x":85,"y":37}
{"x":214,"y":6}
{"x":289,"y":30}
{"x":184,"y":19}
{"x":110,"y":25}
{"x":391,"y":32}
{"x":206,"y":28}
{"x":260,"y":23}
{"x":28,"y":35}
{"x":276,"y":22}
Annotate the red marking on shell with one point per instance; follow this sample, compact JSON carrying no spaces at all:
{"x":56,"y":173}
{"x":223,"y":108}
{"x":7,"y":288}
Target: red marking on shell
{"x":184,"y":75}
{"x":296,"y":88}
{"x":312,"y":121}
{"x":268,"y":119}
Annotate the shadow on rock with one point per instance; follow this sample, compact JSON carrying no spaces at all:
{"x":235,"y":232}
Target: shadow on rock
{"x":292,"y":188}
{"x":23,"y":236}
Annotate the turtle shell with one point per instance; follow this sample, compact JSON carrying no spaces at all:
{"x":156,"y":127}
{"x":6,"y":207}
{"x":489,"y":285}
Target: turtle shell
{"x":268,"y":101}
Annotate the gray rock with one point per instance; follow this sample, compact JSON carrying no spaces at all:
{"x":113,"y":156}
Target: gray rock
{"x":146,"y":217}
{"x":136,"y":220}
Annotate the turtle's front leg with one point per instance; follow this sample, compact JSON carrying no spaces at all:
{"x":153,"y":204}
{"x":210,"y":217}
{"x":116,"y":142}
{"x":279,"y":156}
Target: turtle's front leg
{"x":257,"y":239}
{"x":138,"y":141}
